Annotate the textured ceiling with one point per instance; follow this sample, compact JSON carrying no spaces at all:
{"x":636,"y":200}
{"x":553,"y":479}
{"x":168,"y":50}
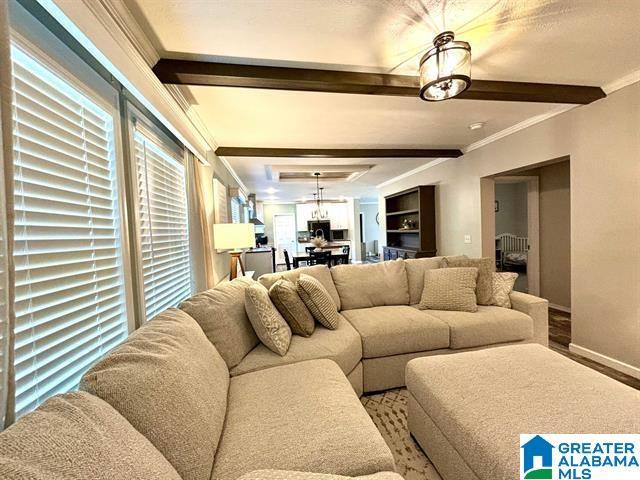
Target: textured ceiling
{"x":589,"y":42}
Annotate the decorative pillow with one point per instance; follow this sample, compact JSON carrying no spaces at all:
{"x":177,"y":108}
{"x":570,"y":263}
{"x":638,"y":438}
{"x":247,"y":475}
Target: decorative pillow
{"x":221,"y":314}
{"x":503,"y":283}
{"x":78,"y":436}
{"x":318,"y":301}
{"x":271,"y":328}
{"x":450,"y":289}
{"x":284,"y":296}
{"x":484,"y":283}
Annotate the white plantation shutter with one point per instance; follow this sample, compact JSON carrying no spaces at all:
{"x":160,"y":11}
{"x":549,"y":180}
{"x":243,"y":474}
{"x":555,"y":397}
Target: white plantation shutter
{"x":163,"y":224}
{"x":70,"y":305}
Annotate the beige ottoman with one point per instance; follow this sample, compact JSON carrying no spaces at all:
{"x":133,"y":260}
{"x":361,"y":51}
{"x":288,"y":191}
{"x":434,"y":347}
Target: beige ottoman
{"x":467,"y":410}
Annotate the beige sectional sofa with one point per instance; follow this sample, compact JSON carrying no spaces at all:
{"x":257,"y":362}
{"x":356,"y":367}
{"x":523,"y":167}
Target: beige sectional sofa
{"x":380,"y":303}
{"x":197,"y":396}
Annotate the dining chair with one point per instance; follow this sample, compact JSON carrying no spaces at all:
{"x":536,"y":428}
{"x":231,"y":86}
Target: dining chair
{"x":347,"y":251}
{"x":320,"y":258}
{"x":287,"y":260}
{"x":309,"y":249}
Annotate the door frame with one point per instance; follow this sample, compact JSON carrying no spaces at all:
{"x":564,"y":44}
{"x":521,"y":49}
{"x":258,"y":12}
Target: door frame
{"x":279,"y":255}
{"x":533,"y":224}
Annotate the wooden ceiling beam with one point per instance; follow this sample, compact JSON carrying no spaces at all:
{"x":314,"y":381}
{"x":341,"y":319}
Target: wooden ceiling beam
{"x":190,"y":72}
{"x":338,"y":152}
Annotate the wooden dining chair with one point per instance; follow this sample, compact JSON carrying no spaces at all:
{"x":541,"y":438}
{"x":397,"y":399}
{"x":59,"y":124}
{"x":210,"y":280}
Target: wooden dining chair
{"x":287,"y":260}
{"x":320,"y":258}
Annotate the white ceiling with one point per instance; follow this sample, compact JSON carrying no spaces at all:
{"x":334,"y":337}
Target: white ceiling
{"x":590,"y":42}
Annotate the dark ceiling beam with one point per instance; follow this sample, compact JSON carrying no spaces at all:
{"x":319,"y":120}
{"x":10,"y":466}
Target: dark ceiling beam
{"x":339,"y":152}
{"x":189,"y":72}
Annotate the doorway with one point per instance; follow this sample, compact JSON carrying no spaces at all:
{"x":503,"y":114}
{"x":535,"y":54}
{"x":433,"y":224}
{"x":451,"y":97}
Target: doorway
{"x":284,"y":235}
{"x":516,"y":211}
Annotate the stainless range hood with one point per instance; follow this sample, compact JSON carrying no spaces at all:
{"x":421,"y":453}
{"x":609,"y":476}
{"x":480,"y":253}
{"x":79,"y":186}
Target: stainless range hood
{"x":252,"y":210}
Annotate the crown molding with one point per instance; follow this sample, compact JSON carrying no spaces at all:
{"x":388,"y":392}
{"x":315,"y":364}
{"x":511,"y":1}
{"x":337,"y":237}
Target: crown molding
{"x":622,"y":82}
{"x":127,"y":23}
{"x":410,"y":173}
{"x":517,"y":127}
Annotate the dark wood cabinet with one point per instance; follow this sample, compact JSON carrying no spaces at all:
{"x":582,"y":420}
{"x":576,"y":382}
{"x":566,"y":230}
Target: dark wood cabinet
{"x":411,"y":223}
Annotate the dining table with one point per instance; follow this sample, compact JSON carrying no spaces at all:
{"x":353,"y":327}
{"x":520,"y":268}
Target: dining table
{"x":336,"y":256}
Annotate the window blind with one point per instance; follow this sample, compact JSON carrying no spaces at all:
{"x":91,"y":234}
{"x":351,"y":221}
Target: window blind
{"x":235,"y":210}
{"x":70,"y":306}
{"x":163,"y":224}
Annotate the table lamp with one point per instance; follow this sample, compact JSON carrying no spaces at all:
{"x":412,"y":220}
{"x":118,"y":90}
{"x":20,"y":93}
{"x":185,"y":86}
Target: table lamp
{"x":234,"y":237}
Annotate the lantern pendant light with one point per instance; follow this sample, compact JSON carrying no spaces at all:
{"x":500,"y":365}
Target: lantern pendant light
{"x":319,"y":213}
{"x":445,"y":70}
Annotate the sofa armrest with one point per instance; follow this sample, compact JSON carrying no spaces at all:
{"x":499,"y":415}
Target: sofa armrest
{"x":538,"y":309}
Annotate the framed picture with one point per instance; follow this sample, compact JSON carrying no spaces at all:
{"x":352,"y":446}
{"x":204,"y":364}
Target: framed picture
{"x":497,"y":206}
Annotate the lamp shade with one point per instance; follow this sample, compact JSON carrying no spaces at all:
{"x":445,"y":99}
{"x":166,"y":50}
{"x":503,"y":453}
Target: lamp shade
{"x":233,"y":236}
{"x":445,"y":70}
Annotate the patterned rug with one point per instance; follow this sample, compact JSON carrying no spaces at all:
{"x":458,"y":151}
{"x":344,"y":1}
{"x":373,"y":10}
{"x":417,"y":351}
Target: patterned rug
{"x":388,"y":410}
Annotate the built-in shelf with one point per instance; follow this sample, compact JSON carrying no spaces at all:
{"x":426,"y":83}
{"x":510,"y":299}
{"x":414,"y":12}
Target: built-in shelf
{"x":416,"y":207}
{"x":403,"y":212}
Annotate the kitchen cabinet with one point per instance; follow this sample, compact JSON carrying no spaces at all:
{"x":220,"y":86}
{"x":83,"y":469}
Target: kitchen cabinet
{"x":338,"y":215}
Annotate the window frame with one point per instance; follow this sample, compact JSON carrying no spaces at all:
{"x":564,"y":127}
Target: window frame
{"x":137,"y":120}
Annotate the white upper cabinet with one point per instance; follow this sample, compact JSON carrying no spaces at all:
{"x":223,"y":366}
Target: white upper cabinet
{"x":338,"y":215}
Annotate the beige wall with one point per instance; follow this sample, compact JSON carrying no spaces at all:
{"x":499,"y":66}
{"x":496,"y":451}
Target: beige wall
{"x":603,"y":141}
{"x":512,"y":214}
{"x":555,"y":233}
{"x":207,"y":173}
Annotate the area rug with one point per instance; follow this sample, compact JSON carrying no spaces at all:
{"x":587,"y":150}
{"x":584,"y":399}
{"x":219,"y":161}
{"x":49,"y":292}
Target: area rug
{"x":388,"y":410}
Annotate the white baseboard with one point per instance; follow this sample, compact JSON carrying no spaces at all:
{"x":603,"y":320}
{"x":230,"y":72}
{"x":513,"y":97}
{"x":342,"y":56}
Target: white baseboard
{"x":560,"y":307}
{"x":605,"y":360}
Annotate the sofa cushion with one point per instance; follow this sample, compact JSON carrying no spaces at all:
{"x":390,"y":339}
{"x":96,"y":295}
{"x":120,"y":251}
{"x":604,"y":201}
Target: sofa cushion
{"x":319,"y":272}
{"x":415,"y":268}
{"x":318,"y":301}
{"x":371,"y":284}
{"x":291,"y":475}
{"x":397,"y":329}
{"x":303,"y":417}
{"x":484,"y":282}
{"x":284,"y":296}
{"x":271,"y":328}
{"x":171,"y":384}
{"x":486,"y":326}
{"x":77,"y":436}
{"x":450,"y":289}
{"x":342,"y":345}
{"x":221,"y":314}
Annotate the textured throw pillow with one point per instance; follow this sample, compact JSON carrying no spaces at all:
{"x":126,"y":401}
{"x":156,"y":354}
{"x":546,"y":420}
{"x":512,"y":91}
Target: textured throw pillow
{"x":284,"y":296}
{"x":503,"y":283}
{"x":271,"y":328}
{"x":450,"y":289}
{"x":77,"y":436}
{"x":484,"y":283}
{"x":318,"y":301}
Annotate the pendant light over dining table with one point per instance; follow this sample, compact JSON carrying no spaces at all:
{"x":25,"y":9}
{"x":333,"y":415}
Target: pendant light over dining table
{"x":319,"y":213}
{"x":445,"y":70}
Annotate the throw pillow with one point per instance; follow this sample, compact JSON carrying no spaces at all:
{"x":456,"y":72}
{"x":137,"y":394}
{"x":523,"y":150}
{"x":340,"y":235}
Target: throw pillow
{"x":503,"y":283}
{"x":271,"y":328}
{"x":484,"y":283}
{"x":284,"y":296}
{"x":450,"y":289}
{"x":318,"y":301}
